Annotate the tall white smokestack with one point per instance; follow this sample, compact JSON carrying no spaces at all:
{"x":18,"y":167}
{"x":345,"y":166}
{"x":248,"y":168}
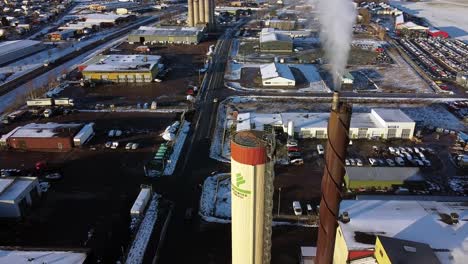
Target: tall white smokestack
{"x":337,"y":18}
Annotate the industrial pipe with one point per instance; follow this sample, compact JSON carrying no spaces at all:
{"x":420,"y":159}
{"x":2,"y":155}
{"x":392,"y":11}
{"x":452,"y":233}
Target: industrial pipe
{"x":332,"y":180}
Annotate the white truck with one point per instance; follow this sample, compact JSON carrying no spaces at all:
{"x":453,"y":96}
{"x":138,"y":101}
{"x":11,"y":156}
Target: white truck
{"x":40,"y":102}
{"x":84,"y":135}
{"x":48,"y":112}
{"x":64,"y":102}
{"x":141,"y":201}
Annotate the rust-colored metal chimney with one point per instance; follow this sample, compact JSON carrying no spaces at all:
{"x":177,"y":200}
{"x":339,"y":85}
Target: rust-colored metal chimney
{"x":332,"y":180}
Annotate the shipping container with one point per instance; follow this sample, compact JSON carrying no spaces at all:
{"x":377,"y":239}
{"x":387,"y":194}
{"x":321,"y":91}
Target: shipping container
{"x":40,"y":102}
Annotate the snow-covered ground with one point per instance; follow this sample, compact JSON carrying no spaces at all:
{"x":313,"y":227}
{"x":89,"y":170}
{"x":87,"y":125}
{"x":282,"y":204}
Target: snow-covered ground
{"x":447,"y":15}
{"x":179,"y":144}
{"x":139,"y":244}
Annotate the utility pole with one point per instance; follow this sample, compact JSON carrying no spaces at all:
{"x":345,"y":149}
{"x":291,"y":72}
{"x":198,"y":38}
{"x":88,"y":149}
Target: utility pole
{"x":279,"y":200}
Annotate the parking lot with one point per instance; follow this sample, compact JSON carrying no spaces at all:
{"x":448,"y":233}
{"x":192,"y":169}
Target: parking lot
{"x":90,"y":205}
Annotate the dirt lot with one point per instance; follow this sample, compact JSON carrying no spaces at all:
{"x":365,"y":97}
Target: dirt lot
{"x":89,"y":206}
{"x":184,"y":60}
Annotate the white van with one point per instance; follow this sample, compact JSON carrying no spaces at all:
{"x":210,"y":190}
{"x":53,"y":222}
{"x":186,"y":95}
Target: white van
{"x":320,"y":149}
{"x":297,"y":208}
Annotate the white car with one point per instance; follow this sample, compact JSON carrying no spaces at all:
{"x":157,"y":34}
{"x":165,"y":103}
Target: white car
{"x":353,"y":162}
{"x":108,"y":144}
{"x":297,"y":161}
{"x":111,"y":133}
{"x":297,"y":208}
{"x":347,"y":163}
{"x":421,"y":155}
{"x":359,"y":162}
{"x":291,"y":143}
{"x":372,"y":161}
{"x":135,"y":146}
{"x":416,"y":150}
{"x":320,"y":149}
{"x":409,"y":150}
{"x":115,"y":145}
{"x":408,"y":156}
{"x":390,"y":162}
{"x":391,"y":149}
{"x":129,"y":145}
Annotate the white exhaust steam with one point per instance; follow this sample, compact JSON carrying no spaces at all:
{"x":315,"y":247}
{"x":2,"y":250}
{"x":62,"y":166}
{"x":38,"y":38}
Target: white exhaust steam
{"x":337,"y":18}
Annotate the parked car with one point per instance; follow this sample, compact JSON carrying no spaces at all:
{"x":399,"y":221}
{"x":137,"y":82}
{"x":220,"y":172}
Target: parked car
{"x":353,"y":162}
{"x":320,"y":149}
{"x":129,"y":145}
{"x":108,"y":144}
{"x":291,"y":143}
{"x":418,"y":162}
{"x":53,"y":176}
{"x":135,"y":146}
{"x":118,"y":133}
{"x":400,"y":161}
{"x":347,"y":163}
{"x":373,"y":161}
{"x":294,"y":154}
{"x":115,"y":145}
{"x":293,"y":149}
{"x":359,"y":162}
{"x":427,"y":162}
{"x":297,"y":208}
{"x":391,"y":149}
{"x":111,"y":133}
{"x":297,"y":161}
{"x":309,"y":209}
{"x":390,"y":162}
{"x":409,"y":150}
{"x":375,"y":148}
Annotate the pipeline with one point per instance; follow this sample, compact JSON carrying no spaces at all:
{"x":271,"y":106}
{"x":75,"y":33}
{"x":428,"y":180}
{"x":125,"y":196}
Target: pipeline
{"x":332,"y":180}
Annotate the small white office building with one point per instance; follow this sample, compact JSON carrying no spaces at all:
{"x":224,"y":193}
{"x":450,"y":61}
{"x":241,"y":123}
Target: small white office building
{"x":379,"y":123}
{"x":17,"y":194}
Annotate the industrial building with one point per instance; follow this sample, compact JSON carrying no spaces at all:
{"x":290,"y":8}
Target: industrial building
{"x":277,"y":74}
{"x":201,"y":12}
{"x":121,"y":68}
{"x":14,"y":50}
{"x":379,"y":123}
{"x":381,"y":177}
{"x":275,"y":42}
{"x":17,"y":194}
{"x":280,"y":24}
{"x":46,"y":137}
{"x":177,"y":35}
{"x":435,"y":224}
{"x":251,"y":197}
{"x":302,"y":33}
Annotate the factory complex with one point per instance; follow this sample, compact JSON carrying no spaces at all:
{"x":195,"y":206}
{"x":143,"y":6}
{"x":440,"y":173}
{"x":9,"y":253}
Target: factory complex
{"x":379,"y":123}
{"x":121,"y":68}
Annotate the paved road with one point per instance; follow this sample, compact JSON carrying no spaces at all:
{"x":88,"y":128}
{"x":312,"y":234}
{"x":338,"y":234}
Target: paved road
{"x":183,"y":236}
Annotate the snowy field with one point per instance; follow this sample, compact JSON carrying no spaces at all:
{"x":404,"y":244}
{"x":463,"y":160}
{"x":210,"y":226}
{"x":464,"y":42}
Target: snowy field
{"x":215,"y":200}
{"x":30,"y":256}
{"x":447,"y":15}
{"x":436,"y":116}
{"x":139,"y":244}
{"x":179,"y":144}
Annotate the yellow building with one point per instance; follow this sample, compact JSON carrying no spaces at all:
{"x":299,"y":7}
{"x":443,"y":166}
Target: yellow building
{"x":121,"y":68}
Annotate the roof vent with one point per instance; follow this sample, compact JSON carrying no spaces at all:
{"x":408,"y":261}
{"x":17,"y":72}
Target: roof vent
{"x":345,"y":217}
{"x":410,"y":249}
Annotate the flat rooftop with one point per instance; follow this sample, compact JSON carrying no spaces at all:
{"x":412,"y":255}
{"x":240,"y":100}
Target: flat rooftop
{"x":274,"y":36}
{"x":125,"y":63}
{"x":46,"y":130}
{"x":167,"y":31}
{"x":15,"y":45}
{"x":419,"y":221}
{"x":392,"y":115}
{"x":384,"y":173}
{"x":15,"y":188}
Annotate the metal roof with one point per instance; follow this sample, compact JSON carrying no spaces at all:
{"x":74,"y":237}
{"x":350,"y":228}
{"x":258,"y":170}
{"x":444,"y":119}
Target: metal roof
{"x":15,"y":45}
{"x":275,"y":70}
{"x":384,"y":174}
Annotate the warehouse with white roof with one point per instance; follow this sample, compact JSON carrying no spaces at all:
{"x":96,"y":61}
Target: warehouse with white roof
{"x":17,"y":194}
{"x":271,"y":41}
{"x":169,"y":34}
{"x":379,"y":123}
{"x":17,"y":49}
{"x":277,"y":74}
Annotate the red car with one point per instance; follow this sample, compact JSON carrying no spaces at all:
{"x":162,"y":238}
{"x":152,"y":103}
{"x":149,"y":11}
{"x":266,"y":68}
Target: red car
{"x":293,"y":149}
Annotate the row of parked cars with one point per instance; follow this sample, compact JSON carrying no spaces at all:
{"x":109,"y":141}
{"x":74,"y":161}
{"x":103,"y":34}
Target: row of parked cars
{"x":414,"y":155}
{"x":294,"y":152}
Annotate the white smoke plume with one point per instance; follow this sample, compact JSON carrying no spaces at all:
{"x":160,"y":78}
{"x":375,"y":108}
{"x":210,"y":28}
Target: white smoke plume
{"x":337,"y":18}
